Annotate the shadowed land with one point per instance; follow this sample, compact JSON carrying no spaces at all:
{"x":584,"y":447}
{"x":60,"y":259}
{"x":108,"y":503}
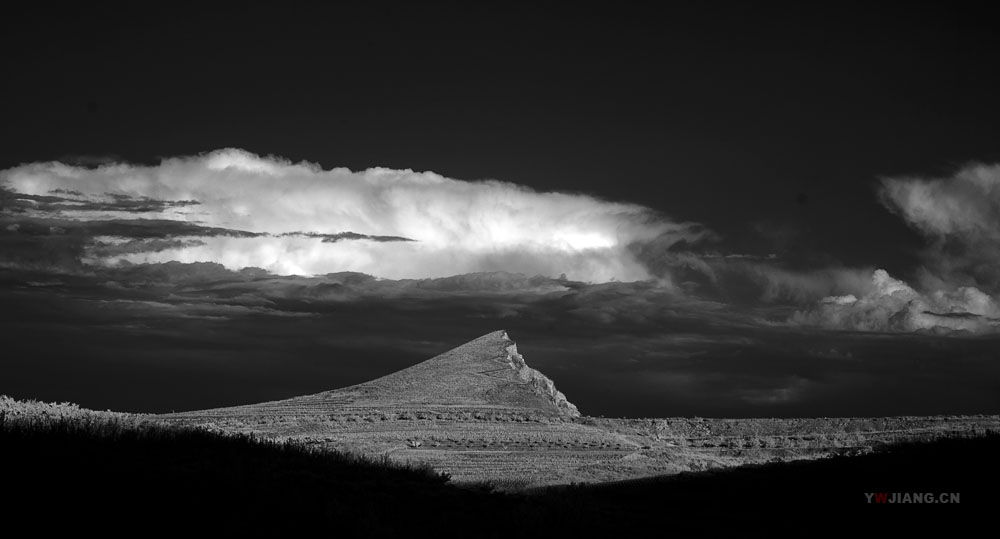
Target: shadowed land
{"x":72,"y":470}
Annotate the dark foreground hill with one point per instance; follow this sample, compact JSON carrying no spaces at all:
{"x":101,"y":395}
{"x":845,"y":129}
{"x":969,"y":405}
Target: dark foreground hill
{"x":87,"y":471}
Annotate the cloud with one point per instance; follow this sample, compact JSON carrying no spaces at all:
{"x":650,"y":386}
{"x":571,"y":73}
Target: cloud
{"x":283,"y":213}
{"x":893,"y":306}
{"x":957,"y":284}
{"x":753,"y":281}
{"x":960,"y":216}
{"x":408,"y":234}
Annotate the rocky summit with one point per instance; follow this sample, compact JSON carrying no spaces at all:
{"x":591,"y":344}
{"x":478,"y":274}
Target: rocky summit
{"x":486,"y":373}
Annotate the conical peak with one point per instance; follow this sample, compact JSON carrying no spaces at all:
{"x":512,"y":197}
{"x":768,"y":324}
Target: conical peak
{"x":487,"y":371}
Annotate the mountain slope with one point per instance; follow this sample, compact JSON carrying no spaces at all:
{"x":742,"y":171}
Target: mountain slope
{"x":487,"y":373}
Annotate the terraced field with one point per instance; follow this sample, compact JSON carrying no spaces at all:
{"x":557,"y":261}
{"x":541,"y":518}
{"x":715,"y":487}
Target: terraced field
{"x":479,"y":413}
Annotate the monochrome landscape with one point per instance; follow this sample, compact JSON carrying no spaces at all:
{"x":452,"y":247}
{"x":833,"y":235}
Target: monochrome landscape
{"x":499,"y":270}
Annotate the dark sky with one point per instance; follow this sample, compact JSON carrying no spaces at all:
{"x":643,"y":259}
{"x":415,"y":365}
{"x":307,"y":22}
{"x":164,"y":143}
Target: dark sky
{"x":770,"y":126}
{"x":726,"y":115}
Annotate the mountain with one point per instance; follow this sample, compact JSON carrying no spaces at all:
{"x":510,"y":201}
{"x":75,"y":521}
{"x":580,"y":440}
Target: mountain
{"x":484,"y":375}
{"x":478,"y":412}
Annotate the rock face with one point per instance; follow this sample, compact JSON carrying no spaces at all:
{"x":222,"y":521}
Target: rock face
{"x":538,"y":382}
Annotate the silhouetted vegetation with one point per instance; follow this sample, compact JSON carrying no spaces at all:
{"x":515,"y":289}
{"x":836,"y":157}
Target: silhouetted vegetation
{"x":825,"y":495}
{"x":117,"y":474}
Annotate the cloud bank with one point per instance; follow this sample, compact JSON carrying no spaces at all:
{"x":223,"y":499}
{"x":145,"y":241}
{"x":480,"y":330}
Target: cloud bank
{"x":270,"y":213}
{"x":958,"y":284}
{"x":247,"y":212}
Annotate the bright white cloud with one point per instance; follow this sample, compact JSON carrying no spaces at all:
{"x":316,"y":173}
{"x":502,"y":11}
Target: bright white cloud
{"x":458,"y":226}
